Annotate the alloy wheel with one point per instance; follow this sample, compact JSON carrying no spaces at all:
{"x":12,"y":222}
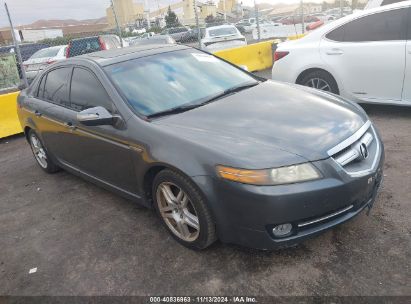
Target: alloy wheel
{"x":38,"y":151}
{"x":178,"y":211}
{"x":318,"y":83}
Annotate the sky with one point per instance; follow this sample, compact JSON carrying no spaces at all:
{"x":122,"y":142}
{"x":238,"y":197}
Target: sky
{"x":28,"y":11}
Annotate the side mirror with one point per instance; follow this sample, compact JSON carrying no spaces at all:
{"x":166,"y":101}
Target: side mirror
{"x":243,"y":67}
{"x":21,"y":86}
{"x":96,"y":116}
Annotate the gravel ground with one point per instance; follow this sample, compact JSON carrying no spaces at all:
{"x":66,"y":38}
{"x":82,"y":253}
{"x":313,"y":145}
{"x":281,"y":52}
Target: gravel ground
{"x":86,"y":241}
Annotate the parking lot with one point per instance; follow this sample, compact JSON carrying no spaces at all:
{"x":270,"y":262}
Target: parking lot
{"x":84,"y":240}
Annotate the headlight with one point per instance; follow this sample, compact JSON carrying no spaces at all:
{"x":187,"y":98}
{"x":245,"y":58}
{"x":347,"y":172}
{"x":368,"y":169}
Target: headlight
{"x":277,"y":176}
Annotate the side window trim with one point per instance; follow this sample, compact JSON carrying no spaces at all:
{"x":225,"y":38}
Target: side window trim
{"x":39,"y":87}
{"x":114,"y":108}
{"x":45,"y":76}
{"x":405,"y":16}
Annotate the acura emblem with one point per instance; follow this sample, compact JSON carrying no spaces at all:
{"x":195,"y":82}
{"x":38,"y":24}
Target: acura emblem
{"x":364,"y":151}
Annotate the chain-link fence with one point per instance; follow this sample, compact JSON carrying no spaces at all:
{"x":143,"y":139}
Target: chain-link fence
{"x":47,"y":32}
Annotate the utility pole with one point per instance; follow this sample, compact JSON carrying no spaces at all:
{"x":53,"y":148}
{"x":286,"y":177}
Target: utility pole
{"x":116,"y":20}
{"x":147,"y":11}
{"x":16,"y":44}
{"x":225,"y":13}
{"x":197,"y":24}
{"x":257,"y":20}
{"x":302,"y":17}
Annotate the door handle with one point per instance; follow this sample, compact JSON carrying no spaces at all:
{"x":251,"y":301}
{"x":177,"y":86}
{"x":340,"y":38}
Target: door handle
{"x":335,"y":52}
{"x":70,"y":126}
{"x":37,"y":113}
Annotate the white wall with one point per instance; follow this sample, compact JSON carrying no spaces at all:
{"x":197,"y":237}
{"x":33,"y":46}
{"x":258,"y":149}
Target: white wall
{"x":36,"y":35}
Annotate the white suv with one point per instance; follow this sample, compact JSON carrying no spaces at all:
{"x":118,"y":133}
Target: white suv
{"x":365,"y":56}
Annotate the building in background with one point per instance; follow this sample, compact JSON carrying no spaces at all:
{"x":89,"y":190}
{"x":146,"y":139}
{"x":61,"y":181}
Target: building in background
{"x":207,"y":9}
{"x":230,"y":6}
{"x":39,"y":34}
{"x":184,"y":9}
{"x":127,"y":13}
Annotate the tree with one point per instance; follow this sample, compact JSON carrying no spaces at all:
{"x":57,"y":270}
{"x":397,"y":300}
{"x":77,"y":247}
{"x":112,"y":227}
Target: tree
{"x":171,"y":19}
{"x":209,"y":19}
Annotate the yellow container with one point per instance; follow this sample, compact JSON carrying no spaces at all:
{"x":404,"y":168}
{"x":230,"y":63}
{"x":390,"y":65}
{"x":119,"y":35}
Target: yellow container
{"x":9,"y":122}
{"x":256,"y":57}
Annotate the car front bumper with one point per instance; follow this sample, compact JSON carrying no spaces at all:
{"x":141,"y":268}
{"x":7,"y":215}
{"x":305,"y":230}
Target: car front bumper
{"x":246,"y":214}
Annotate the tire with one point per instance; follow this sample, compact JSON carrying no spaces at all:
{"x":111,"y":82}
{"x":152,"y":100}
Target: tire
{"x":187,"y":206}
{"x":321,"y":80}
{"x":40,"y":153}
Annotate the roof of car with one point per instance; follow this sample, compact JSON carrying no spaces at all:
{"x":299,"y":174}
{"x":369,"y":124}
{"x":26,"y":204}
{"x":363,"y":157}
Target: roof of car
{"x":220,"y":26}
{"x":123,"y":54}
{"x":314,"y":35}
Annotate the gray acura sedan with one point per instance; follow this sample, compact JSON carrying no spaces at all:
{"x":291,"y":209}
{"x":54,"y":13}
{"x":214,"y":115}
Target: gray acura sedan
{"x":218,"y":152}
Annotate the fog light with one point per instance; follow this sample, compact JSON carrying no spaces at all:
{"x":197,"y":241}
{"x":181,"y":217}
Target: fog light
{"x":282,"y":230}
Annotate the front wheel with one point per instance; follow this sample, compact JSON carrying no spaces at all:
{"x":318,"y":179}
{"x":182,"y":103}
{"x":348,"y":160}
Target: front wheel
{"x":183,"y":210}
{"x":320,"y":80}
{"x":40,"y":153}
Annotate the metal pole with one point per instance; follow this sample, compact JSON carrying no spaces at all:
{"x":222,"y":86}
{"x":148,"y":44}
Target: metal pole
{"x":257,"y":21}
{"x":197,"y":24}
{"x":16,"y":44}
{"x":225,"y":13}
{"x":116,"y":20}
{"x":147,"y":11}
{"x":341,"y":8}
{"x":302,"y":17}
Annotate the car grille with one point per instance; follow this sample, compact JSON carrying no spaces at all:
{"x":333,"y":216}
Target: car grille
{"x":358,"y":154}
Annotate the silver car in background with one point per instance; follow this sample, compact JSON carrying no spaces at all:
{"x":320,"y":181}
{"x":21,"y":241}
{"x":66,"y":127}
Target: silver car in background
{"x":222,"y":37}
{"x":43,"y":58}
{"x":157,"y":39}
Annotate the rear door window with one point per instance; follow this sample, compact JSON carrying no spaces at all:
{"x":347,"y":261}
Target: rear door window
{"x":87,"y":91}
{"x":56,"y":86}
{"x":84,"y":46}
{"x":409,"y":24}
{"x":387,"y":2}
{"x":384,"y":26}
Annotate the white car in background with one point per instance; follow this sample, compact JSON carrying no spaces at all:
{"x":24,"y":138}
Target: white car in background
{"x":222,"y":37}
{"x":365,"y":57}
{"x":43,"y":58}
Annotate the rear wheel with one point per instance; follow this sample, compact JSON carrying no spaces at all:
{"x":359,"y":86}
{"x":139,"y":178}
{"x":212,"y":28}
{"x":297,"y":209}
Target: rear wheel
{"x":183,"y":210}
{"x":320,"y":80}
{"x":40,"y":153}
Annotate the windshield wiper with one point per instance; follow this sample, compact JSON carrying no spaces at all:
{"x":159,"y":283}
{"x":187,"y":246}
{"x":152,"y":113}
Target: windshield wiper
{"x":230,"y":91}
{"x":185,"y":108}
{"x":175,"y":110}
{"x":240,"y":88}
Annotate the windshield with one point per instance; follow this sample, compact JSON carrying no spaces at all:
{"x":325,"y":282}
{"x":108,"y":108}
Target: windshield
{"x":45,"y":53}
{"x":169,"y":80}
{"x":223,"y":31}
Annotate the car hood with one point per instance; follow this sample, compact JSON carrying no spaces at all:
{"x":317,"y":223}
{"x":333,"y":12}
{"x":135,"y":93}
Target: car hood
{"x":272,"y":123}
